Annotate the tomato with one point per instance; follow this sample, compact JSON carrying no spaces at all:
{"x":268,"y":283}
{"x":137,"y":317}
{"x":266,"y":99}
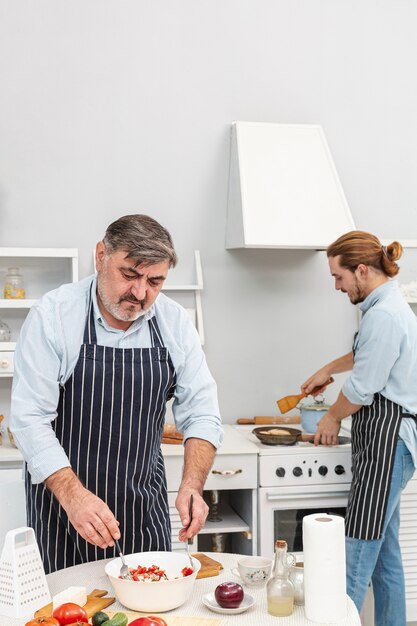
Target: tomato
{"x":151,"y":620}
{"x":187,"y":571}
{"x":158,"y":621}
{"x":46,"y":621}
{"x":69,"y":613}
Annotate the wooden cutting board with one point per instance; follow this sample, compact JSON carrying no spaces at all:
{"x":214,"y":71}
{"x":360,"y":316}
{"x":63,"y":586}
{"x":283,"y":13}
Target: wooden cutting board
{"x":95,"y":602}
{"x":173,"y":620}
{"x":209,"y":567}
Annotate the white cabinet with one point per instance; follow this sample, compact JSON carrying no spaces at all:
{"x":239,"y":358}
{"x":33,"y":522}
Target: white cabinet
{"x":42,"y":269}
{"x":12,"y":491}
{"x":234,"y":477}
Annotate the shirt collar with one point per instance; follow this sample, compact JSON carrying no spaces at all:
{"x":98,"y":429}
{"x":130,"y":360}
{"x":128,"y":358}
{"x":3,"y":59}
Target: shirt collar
{"x":379,"y":293}
{"x":100,"y":320}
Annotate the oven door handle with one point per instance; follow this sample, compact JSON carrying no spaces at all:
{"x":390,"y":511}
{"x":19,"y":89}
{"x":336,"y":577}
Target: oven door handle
{"x":307,"y":496}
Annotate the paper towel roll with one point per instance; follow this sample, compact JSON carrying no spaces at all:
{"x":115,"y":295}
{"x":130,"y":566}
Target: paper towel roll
{"x":324,"y":567}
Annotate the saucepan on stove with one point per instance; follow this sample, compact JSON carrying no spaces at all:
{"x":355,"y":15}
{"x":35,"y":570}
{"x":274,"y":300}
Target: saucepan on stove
{"x":311,"y":414}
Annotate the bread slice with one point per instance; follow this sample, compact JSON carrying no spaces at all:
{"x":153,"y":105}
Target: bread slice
{"x":275,"y":431}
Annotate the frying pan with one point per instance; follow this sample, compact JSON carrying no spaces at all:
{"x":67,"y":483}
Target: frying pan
{"x":271,"y":439}
{"x":264,"y":434}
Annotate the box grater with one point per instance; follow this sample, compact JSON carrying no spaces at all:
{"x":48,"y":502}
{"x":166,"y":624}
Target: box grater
{"x":23,"y":586}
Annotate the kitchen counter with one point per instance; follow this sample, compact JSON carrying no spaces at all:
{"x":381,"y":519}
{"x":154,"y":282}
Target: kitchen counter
{"x":233,"y":443}
{"x":92,"y":575}
{"x":10,"y":457}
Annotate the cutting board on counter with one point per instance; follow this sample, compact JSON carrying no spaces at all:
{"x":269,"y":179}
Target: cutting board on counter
{"x":209,"y":567}
{"x":173,"y":620}
{"x":95,"y":602}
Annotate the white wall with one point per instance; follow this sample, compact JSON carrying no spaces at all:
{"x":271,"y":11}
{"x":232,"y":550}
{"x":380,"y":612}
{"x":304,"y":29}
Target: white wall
{"x":109,"y":107}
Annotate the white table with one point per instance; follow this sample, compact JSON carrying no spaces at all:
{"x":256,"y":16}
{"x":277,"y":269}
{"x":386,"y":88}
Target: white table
{"x":91,"y":575}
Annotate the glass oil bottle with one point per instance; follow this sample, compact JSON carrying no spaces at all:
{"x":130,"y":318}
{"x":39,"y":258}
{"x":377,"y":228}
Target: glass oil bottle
{"x":280,"y":590}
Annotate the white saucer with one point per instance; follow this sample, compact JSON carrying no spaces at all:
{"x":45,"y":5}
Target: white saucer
{"x":210,"y":602}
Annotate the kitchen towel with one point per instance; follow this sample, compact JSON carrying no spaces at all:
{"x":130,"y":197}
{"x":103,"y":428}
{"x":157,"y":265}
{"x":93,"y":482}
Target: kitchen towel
{"x":324,"y":567}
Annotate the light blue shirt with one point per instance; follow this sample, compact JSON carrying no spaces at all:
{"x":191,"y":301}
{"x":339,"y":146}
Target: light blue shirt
{"x":386,"y":356}
{"x":48,"y":349}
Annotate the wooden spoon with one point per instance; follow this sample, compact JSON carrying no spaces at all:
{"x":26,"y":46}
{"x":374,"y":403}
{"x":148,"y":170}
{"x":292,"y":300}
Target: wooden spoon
{"x":289,"y":402}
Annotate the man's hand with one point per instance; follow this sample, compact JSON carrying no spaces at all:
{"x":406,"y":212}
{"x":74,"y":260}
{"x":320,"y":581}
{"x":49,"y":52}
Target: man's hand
{"x":342,"y":364}
{"x":327,"y":430}
{"x":90,"y":516}
{"x":329,"y":425}
{"x":319,"y":379}
{"x":199,"y":513}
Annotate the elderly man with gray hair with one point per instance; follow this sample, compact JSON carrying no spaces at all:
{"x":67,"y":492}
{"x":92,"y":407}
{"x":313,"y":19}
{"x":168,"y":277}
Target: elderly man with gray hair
{"x":95,"y":364}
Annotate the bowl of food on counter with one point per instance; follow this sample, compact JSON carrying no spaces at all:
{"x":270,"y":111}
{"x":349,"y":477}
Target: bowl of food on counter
{"x":161,"y":581}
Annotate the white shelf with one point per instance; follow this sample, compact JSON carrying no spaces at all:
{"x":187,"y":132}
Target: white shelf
{"x":7,"y":346}
{"x":45,"y":269}
{"x":66,"y":253}
{"x":406,"y":243}
{"x":197,"y":288}
{"x":231,"y":523}
{"x":44,"y":253}
{"x":182,"y":288}
{"x":6,"y":303}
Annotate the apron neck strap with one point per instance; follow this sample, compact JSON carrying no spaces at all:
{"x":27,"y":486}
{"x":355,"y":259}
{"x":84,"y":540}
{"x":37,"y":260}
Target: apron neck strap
{"x":90,"y":327}
{"x":156,"y":337}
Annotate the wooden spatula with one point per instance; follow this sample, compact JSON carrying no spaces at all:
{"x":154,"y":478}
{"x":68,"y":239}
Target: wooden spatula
{"x":289,"y":402}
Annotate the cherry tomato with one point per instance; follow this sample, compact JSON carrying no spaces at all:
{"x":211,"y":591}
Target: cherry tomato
{"x":151,"y":620}
{"x":69,"y":613}
{"x":187,"y":571}
{"x":46,"y":621}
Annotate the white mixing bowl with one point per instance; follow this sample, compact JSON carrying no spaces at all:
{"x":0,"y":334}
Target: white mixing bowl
{"x":153,"y":597}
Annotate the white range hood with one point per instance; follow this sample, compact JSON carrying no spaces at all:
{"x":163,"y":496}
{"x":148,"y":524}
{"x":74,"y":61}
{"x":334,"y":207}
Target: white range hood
{"x":284,"y":191}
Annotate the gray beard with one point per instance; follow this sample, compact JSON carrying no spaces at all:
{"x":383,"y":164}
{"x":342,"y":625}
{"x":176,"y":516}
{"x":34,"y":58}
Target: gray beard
{"x":115,"y":308}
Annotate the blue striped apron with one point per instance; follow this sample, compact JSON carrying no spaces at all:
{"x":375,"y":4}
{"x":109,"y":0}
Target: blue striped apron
{"x":110,"y":422}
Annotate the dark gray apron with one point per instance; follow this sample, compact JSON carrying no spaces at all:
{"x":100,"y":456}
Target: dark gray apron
{"x":110,"y":421}
{"x":375,"y":431}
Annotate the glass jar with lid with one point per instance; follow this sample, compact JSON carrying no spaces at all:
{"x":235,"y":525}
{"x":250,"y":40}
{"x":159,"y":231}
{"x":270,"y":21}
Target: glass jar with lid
{"x":5,"y":332}
{"x":13,"y":285}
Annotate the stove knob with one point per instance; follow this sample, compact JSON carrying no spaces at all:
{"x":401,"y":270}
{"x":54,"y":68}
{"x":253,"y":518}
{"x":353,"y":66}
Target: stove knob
{"x":339,"y":469}
{"x":297,"y":471}
{"x":280,"y":472}
{"x":323,"y":470}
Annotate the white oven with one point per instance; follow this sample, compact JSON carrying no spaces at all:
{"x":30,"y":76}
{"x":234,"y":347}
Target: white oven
{"x":282,"y":509}
{"x":297,"y":480}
